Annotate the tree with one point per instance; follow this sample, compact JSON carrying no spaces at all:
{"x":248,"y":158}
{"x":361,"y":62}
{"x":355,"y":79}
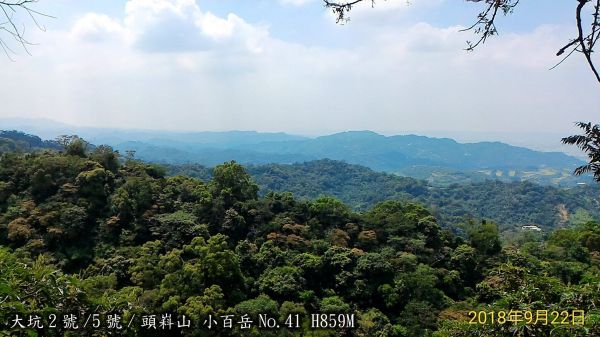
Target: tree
{"x":329,"y":212}
{"x":485,"y":238}
{"x":232,"y":184}
{"x":73,"y":145}
{"x":485,"y":25}
{"x":589,"y":143}
{"x":282,"y":282}
{"x":11,"y":27}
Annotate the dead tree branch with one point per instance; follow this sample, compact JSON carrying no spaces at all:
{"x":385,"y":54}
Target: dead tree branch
{"x":485,"y":25}
{"x":341,"y":9}
{"x":584,"y":43}
{"x":12,"y":29}
{"x":587,"y":44}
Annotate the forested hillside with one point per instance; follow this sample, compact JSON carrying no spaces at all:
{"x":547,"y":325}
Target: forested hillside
{"x":16,"y":141}
{"x":85,"y":232}
{"x":396,"y":152}
{"x":509,"y":204}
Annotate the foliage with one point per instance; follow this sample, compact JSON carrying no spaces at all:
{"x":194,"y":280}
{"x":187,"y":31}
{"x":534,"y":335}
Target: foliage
{"x":589,"y":143}
{"x":84,"y":230}
{"x":15,"y":141}
{"x":508,"y":204}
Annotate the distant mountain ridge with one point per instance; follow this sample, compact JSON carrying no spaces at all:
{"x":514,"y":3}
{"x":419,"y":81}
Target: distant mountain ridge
{"x":209,"y":156}
{"x":110,"y":136}
{"x":396,"y":152}
{"x":438,"y":160}
{"x":369,"y":149}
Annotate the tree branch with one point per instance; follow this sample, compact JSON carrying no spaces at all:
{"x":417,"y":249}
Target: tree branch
{"x":10,"y":28}
{"x":485,"y":25}
{"x":587,"y":49}
{"x":340,"y":9}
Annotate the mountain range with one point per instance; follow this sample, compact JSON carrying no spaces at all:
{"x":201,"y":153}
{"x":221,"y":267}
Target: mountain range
{"x":440,"y":161}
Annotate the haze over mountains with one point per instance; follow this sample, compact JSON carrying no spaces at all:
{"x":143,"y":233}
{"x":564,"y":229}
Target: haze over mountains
{"x":439,"y":160}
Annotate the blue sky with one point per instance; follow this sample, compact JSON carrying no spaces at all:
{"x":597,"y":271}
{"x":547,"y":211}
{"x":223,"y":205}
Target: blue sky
{"x":285,"y":65}
{"x":304,"y":24}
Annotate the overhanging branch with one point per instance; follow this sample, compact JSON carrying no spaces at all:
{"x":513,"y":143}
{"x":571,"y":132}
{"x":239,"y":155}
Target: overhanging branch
{"x":485,"y":25}
{"x":10,"y":28}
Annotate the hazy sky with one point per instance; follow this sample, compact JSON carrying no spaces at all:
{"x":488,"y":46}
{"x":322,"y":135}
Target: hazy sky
{"x":285,"y":65}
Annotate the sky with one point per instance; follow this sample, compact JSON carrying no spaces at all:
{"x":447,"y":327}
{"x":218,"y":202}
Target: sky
{"x":285,"y":65}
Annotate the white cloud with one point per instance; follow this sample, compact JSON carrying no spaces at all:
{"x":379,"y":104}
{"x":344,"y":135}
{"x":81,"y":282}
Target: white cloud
{"x":171,"y":26}
{"x":536,"y":49}
{"x":297,"y":2}
{"x":169,"y":64}
{"x":94,"y":27}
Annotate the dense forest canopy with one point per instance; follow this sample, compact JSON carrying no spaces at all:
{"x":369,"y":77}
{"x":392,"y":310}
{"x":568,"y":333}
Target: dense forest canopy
{"x":509,"y":204}
{"x":85,"y":228}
